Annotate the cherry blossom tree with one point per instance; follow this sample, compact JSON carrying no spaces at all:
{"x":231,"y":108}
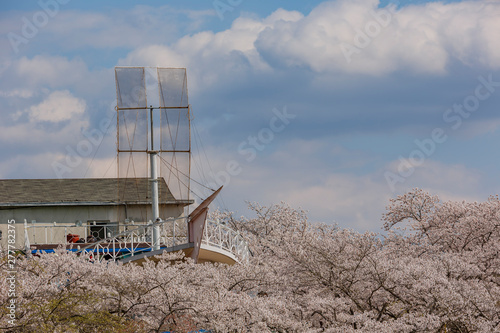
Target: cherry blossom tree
{"x":435,"y":268}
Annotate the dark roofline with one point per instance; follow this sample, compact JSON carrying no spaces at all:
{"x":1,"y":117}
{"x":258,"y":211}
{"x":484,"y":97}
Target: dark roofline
{"x":95,"y":203}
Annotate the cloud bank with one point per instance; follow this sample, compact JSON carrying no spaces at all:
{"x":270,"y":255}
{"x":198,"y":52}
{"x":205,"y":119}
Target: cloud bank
{"x":362,"y":80}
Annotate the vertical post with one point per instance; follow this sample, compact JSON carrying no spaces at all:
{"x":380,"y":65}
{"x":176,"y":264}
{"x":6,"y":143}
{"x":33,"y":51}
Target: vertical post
{"x":154,"y":196}
{"x":151,"y":119}
{"x":154,"y":191}
{"x":27,"y":246}
{"x":114,"y":250}
{"x":117,"y":157}
{"x":132,"y":244}
{"x":189,"y":157}
{"x":173,"y":234}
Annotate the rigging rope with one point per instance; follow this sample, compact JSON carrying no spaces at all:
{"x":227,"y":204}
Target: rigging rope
{"x":180,"y":181}
{"x":198,"y":166}
{"x":109,"y":167}
{"x":219,"y":198}
{"x":182,"y":173}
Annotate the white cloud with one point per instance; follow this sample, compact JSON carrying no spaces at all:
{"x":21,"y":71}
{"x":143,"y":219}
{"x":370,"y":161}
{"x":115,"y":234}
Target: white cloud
{"x":101,"y":168}
{"x":333,"y":184}
{"x":45,"y":126}
{"x":420,"y":37}
{"x":23,"y":93}
{"x":107,"y":29}
{"x":210,"y":56}
{"x":54,"y":71}
{"x":449,"y":181}
{"x":299,"y":174}
{"x":30,"y":165}
{"x":58,"y":106}
{"x":26,"y":78}
{"x":350,"y":200}
{"x":480,"y":127}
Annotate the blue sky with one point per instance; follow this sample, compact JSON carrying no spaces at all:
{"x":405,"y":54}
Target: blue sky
{"x":380,"y":98}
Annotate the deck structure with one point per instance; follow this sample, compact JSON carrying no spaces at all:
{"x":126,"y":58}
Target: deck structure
{"x":219,"y":242}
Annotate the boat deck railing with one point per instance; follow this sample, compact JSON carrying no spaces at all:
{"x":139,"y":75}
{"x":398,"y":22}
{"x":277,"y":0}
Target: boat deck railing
{"x":118,"y":241}
{"x":222,"y":236}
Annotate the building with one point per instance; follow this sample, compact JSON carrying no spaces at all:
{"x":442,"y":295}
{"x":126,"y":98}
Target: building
{"x":87,"y":203}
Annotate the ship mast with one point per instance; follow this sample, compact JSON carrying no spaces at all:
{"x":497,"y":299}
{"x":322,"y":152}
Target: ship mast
{"x":154,"y":188}
{"x":169,"y":152}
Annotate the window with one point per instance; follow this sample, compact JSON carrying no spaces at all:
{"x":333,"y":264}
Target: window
{"x":101,"y":229}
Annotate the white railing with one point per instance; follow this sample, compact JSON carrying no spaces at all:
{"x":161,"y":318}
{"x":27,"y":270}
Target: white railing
{"x":137,"y":240}
{"x":173,"y":231}
{"x":221,"y":236}
{"x":117,"y":241}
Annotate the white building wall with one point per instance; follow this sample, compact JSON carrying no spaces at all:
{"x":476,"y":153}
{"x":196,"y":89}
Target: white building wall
{"x":66,"y":217}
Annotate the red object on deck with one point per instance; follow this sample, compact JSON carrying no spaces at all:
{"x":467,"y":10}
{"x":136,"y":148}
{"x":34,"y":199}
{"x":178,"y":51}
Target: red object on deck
{"x":72,"y":238}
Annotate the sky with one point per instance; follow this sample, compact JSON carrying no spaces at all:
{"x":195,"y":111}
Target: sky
{"x":333,"y":107}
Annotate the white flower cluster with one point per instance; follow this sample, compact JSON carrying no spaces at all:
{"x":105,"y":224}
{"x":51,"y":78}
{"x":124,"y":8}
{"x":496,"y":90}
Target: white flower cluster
{"x":436,"y":270}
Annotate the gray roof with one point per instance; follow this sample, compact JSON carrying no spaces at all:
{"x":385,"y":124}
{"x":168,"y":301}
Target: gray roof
{"x":81,"y":191}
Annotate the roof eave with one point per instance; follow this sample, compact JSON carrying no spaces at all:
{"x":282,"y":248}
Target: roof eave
{"x":92,"y":203}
